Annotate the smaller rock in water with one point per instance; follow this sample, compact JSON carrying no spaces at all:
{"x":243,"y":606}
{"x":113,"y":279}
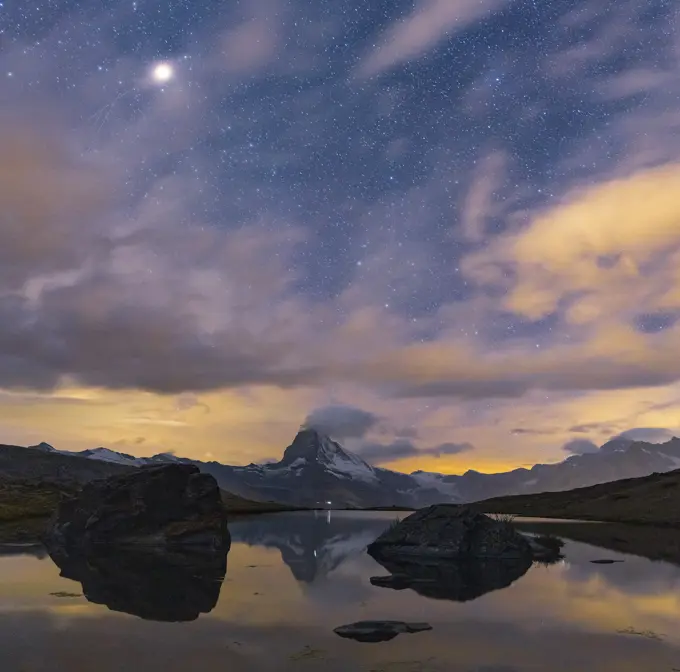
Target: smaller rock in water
{"x":605,"y":561}
{"x":450,"y":531}
{"x":395,"y":582}
{"x":378,"y":631}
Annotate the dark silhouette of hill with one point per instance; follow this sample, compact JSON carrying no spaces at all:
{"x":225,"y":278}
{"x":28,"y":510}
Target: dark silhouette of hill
{"x":648,"y":500}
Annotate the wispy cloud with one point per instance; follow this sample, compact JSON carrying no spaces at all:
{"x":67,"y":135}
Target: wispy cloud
{"x":580,"y":447}
{"x":342,"y":422}
{"x":430,"y":22}
{"x":381,"y":453}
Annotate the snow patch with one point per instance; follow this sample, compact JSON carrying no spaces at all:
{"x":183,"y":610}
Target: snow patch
{"x":297,"y":463}
{"x":107,"y":455}
{"x":428,"y":479}
{"x":675,"y":461}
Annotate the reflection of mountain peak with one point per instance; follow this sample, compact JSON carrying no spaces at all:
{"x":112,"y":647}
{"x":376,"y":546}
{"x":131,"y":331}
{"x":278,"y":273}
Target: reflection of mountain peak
{"x":311,"y":544}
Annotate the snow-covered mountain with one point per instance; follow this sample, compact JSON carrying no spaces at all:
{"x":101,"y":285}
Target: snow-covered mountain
{"x":317,"y":471}
{"x":314,"y":471}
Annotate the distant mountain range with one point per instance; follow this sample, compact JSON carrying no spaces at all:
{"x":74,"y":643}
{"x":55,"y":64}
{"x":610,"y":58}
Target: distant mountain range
{"x":317,"y":471}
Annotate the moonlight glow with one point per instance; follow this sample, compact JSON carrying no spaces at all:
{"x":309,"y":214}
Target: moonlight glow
{"x":162,"y":73}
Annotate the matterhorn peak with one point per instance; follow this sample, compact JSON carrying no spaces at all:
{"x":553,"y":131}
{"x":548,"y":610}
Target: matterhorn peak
{"x":310,"y":445}
{"x":312,"y":448}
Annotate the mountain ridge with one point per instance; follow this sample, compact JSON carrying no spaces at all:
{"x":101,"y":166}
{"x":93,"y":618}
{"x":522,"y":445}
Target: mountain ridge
{"x":644,"y":500}
{"x":317,"y":471}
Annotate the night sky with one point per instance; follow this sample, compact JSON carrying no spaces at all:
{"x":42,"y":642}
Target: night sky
{"x":447,"y":230}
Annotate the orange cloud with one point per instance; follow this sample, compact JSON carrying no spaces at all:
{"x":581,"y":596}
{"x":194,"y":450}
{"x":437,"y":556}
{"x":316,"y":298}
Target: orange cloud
{"x":606,"y":251}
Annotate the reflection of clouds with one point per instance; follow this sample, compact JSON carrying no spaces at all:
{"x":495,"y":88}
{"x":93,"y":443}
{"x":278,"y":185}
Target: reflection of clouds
{"x":568,"y":613}
{"x":577,"y":594}
{"x":111,"y":644}
{"x":632,"y":576}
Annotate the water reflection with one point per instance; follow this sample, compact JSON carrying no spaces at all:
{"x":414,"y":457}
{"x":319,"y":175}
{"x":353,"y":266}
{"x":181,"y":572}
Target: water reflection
{"x":293,"y":578}
{"x":648,"y":542}
{"x":456,"y":581}
{"x":158,"y":587}
{"x":311,"y":544}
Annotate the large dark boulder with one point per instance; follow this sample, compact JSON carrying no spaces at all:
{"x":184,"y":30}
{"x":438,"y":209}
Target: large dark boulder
{"x":172,"y":505}
{"x":453,"y":532}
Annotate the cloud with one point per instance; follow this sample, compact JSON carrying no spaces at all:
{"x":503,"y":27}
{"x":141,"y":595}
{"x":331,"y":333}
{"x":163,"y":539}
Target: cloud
{"x":342,"y":422}
{"x":253,"y":43}
{"x":131,"y":273}
{"x":481,"y":203}
{"x":648,"y":434}
{"x":534,"y":432}
{"x":109,"y":302}
{"x":380,"y":453}
{"x":604,"y":250}
{"x":188,"y":401}
{"x":580,"y":447}
{"x":48,"y":196}
{"x":586,"y":428}
{"x":429,"y":23}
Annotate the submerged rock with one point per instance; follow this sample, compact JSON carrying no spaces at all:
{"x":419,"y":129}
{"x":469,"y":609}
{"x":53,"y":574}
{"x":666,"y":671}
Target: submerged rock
{"x":378,"y":631}
{"x":395,"y":581}
{"x":169,"y":506}
{"x":449,"y":531}
{"x":158,"y":586}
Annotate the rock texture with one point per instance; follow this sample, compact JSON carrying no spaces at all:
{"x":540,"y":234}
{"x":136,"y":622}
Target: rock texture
{"x":448,"y":531}
{"x":378,"y":631}
{"x":168,"y":506}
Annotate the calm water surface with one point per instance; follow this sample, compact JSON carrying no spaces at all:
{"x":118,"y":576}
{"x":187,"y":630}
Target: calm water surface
{"x":292,"y":578}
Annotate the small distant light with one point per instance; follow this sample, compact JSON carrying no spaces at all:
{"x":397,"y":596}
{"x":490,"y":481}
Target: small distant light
{"x":329,"y":502}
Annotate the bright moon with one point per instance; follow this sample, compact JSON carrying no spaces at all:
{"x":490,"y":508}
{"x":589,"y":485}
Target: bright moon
{"x":163,"y":73}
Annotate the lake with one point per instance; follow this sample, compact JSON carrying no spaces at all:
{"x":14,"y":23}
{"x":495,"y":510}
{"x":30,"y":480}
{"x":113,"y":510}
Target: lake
{"x":292,"y":578}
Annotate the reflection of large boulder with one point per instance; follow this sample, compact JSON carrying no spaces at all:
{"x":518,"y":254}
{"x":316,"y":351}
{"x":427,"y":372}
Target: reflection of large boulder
{"x":169,"y":586}
{"x":457,"y":580}
{"x":170,"y":505}
{"x":452,"y":532}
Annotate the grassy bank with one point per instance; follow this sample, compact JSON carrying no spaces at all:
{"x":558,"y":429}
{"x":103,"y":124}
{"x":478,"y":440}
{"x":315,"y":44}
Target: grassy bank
{"x":236,"y":505}
{"x":25,"y":500}
{"x":650,"y":500}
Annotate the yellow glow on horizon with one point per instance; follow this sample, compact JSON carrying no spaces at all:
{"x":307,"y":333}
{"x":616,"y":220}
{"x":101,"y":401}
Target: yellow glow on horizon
{"x":241,"y":426}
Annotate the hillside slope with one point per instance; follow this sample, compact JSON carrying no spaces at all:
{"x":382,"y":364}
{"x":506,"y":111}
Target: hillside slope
{"x":649,"y":500}
{"x":18,"y":463}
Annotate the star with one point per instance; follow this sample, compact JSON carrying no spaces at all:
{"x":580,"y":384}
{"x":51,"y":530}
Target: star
{"x":162,"y":73}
